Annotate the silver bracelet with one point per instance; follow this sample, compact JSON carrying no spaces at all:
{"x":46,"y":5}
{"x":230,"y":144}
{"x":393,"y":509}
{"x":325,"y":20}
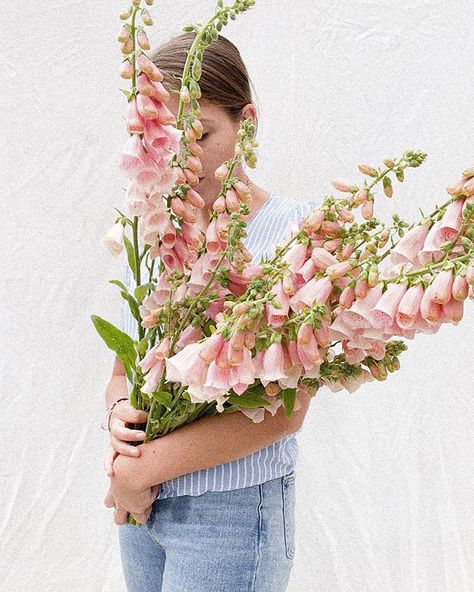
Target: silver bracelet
{"x":105,"y":425}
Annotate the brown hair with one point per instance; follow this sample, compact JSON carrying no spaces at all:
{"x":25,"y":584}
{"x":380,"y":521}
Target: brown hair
{"x":224,"y":80}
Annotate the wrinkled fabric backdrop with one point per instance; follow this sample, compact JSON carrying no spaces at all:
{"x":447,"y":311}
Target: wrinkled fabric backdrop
{"x":384,"y":477}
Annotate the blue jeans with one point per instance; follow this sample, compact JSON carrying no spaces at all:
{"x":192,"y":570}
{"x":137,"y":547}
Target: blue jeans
{"x":242,"y":540}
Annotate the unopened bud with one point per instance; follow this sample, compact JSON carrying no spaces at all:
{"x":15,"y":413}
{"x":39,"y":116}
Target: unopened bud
{"x":221,"y":172}
{"x":184,"y":94}
{"x":142,"y":40}
{"x":146,"y":18}
{"x":126,"y":70}
{"x":470,"y":274}
{"x":388,"y":162}
{"x":468,"y":173}
{"x":367,"y":170}
{"x":387,"y":186}
{"x":373,"y":276}
{"x":124,"y":35}
{"x":367,"y":209}
{"x":125,"y":14}
{"x":342,"y":185}
{"x":127,"y":47}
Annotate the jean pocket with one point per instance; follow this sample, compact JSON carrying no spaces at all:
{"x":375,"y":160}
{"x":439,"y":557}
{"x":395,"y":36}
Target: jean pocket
{"x":288,"y":493}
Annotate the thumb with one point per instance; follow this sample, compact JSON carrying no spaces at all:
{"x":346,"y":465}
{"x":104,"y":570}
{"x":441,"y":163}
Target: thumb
{"x":109,"y":499}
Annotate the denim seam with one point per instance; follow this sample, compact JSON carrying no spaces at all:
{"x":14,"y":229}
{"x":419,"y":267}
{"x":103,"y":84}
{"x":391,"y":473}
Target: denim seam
{"x":285,"y":483}
{"x":149,"y":528}
{"x":259,"y":532}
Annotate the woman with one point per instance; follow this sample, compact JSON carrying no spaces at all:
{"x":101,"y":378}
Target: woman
{"x":223,"y":519}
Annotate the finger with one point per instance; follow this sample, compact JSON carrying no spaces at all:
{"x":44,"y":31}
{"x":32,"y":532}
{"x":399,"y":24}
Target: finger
{"x":142,"y":517}
{"x":120,"y":516}
{"x":109,"y":500}
{"x":123,"y":433}
{"x":123,"y":447}
{"x":124,"y":410}
{"x":110,"y":456}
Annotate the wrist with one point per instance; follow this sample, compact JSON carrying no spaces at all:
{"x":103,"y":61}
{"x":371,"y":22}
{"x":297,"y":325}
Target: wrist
{"x":105,"y":425}
{"x":137,"y":470}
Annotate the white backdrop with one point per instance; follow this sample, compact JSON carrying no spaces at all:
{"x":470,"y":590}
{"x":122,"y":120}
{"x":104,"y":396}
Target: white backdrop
{"x":384,"y":479}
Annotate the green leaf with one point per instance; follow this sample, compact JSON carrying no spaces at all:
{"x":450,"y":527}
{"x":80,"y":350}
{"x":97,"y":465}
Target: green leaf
{"x":117,"y":341}
{"x":289,"y":397}
{"x":119,"y":284}
{"x":133,"y":305}
{"x":163,"y":397}
{"x":248,"y":399}
{"x":134,"y":396}
{"x":141,"y":291}
{"x":130,"y":254}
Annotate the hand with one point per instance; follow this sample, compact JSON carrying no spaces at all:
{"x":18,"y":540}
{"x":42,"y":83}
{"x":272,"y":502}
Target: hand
{"x":121,"y":514}
{"x":120,"y":434}
{"x":127,"y":491}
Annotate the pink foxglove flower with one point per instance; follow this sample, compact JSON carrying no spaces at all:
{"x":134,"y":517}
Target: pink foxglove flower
{"x":277,"y":316}
{"x":273,"y":363}
{"x":430,"y":250}
{"x":441,"y":287}
{"x":314,"y":291}
{"x":451,"y":222}
{"x":453,"y":310}
{"x":409,"y":306}
{"x":387,"y":305}
{"x":407,"y":248}
{"x":113,"y":240}
{"x":153,"y":364}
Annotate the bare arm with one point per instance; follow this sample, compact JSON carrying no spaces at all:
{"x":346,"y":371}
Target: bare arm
{"x":117,"y":386}
{"x":208,"y":441}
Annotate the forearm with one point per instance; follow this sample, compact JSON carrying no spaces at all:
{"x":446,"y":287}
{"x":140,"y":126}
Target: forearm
{"x":209,"y":441}
{"x":117,"y":386}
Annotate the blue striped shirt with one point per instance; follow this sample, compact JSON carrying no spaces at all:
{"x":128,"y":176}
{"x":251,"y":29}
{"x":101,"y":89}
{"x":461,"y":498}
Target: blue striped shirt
{"x":270,"y":226}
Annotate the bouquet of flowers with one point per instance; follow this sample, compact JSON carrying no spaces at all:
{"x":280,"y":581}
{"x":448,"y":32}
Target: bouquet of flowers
{"x":218,"y":332}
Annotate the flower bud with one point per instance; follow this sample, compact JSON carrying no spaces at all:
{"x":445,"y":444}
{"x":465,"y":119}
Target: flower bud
{"x":387,"y":186}
{"x":367,"y":170}
{"x":470,"y":274}
{"x":468,"y":187}
{"x":346,"y":215}
{"x":347,"y":251}
{"x":342,"y":185}
{"x":347,"y":297}
{"x":126,"y":70}
{"x":338,"y":270}
{"x":468,"y":173}
{"x":373,"y":276}
{"x":142,"y":40}
{"x":460,"y":288}
{"x":221,"y":172}
{"x":184,"y":94}
{"x":456,"y":188}
{"x":146,"y":18}
{"x":125,"y":14}
{"x":388,"y":162}
{"x":331,"y":228}
{"x":314,"y":220}
{"x":124,"y":35}
{"x":367,"y":209}
{"x":361,"y":288}
{"x":127,"y":47}
{"x":360,"y":197}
